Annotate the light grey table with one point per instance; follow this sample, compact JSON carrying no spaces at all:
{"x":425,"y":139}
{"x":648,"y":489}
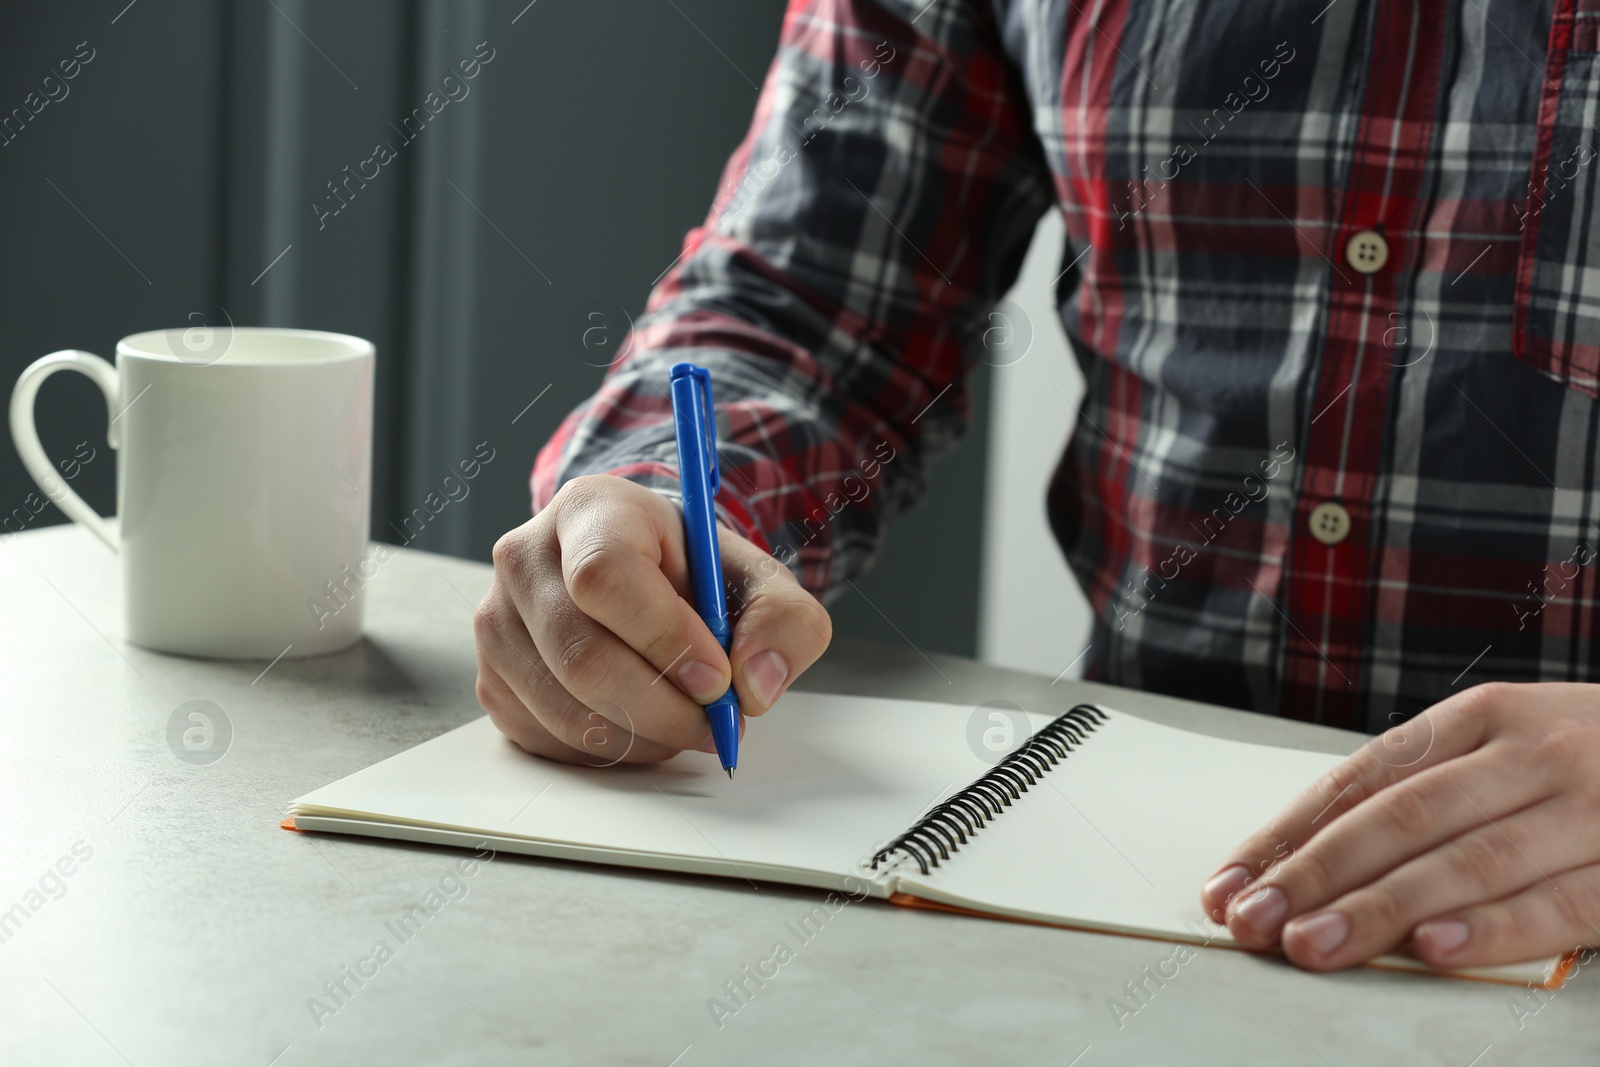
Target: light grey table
{"x":191,"y":929}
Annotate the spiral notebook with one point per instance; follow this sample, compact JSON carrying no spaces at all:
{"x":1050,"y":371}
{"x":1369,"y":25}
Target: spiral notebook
{"x":1092,"y":819}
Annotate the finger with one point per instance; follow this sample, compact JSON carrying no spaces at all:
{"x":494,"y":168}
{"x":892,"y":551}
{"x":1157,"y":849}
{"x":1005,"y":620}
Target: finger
{"x":1398,"y":824}
{"x":612,"y":563}
{"x":1557,"y":914}
{"x":603,"y":673}
{"x":1444,"y":732}
{"x":585,"y":659}
{"x":1487,"y":863}
{"x":506,"y":648}
{"x":513,"y":719}
{"x":781,"y":629}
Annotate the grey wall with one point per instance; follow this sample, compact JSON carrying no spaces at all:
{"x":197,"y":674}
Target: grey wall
{"x":187,"y":156}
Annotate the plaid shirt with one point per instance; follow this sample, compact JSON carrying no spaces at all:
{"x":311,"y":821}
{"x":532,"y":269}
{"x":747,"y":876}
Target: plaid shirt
{"x":1327,"y":275}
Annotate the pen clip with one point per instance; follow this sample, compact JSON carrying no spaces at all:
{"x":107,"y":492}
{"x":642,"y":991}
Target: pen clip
{"x":708,"y":420}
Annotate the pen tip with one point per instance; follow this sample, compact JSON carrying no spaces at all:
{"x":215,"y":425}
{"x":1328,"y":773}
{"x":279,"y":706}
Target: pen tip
{"x":730,"y":774}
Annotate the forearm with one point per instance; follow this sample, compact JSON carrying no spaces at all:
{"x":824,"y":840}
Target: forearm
{"x":876,"y":211}
{"x":806,"y":474}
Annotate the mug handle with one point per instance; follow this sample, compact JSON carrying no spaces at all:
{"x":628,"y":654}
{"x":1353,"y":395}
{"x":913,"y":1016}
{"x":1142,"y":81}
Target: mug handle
{"x":26,"y":435}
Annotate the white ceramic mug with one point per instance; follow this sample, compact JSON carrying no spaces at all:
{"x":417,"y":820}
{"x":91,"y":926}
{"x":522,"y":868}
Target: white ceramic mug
{"x":243,"y":477}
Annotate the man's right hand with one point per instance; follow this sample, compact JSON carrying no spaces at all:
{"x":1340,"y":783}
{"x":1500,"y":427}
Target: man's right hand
{"x":589,"y":649}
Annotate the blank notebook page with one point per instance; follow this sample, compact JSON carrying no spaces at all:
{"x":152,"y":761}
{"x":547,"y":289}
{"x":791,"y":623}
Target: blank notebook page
{"x":821,"y":780}
{"x":1122,"y":833}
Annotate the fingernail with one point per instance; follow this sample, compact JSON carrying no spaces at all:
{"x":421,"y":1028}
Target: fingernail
{"x":1263,"y":910}
{"x":701,"y":681}
{"x":1443,"y":937}
{"x":1224,"y":886}
{"x":1325,"y":932}
{"x":765,"y":673}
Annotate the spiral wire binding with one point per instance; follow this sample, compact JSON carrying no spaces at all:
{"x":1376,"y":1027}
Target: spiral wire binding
{"x":948,"y":826}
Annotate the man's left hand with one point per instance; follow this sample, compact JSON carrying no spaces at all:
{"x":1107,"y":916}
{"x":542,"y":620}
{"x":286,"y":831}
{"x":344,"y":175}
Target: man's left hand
{"x":1468,"y":836}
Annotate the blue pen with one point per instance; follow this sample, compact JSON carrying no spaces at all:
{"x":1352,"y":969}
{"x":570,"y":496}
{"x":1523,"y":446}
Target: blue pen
{"x":701,"y":479}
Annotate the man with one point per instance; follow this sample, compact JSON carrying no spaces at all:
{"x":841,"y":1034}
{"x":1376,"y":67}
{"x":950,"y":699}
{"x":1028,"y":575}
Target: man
{"x":1328,"y":275}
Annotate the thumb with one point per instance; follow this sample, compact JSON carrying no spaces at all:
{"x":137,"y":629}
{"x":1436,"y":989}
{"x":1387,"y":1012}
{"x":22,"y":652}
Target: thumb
{"x":781,"y":630}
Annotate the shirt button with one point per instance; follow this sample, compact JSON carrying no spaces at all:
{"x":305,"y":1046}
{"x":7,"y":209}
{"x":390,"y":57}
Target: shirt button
{"x":1330,"y":522}
{"x":1367,"y":251}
